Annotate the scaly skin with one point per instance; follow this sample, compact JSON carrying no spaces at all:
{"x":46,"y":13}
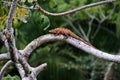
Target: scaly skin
{"x":67,"y":33}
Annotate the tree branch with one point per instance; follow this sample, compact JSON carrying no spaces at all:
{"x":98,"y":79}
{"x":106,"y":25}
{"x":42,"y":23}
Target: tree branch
{"x":109,"y":75}
{"x":40,"y":68}
{"x":67,"y":19}
{"x":8,"y":32}
{"x":4,"y":56}
{"x":25,"y":65}
{"x":3,"y":70}
{"x":20,"y":69}
{"x":77,"y":43}
{"x":11,"y":13}
{"x":74,"y":10}
{"x":34,"y":72}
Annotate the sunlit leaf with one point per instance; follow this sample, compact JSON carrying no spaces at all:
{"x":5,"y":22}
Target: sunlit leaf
{"x":22,"y":1}
{"x":16,"y":23}
{"x":30,"y":1}
{"x":21,"y":14}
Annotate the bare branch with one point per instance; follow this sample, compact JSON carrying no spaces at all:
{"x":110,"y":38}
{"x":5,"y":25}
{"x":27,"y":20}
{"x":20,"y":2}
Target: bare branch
{"x":11,"y":13}
{"x":25,"y":64}
{"x":83,"y":32}
{"x":6,"y":3}
{"x":40,"y":68}
{"x":34,"y":72}
{"x":109,"y":75}
{"x":67,"y":19}
{"x":8,"y":32}
{"x":102,"y":20}
{"x":20,"y":69}
{"x":77,"y":43}
{"x":74,"y":10}
{"x":110,"y":72}
{"x":90,"y":27}
{"x":4,"y":56}
{"x":3,"y":70}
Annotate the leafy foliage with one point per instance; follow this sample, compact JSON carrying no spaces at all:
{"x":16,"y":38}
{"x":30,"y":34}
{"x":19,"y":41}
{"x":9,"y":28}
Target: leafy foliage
{"x":65,"y":61}
{"x":20,"y":15}
{"x":8,"y":77}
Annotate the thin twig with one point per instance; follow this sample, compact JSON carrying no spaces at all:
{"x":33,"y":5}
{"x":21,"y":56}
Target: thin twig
{"x":101,"y":21}
{"x":6,"y":3}
{"x":109,"y":73}
{"x":40,"y":68}
{"x":3,"y":70}
{"x":71,"y":24}
{"x":90,"y":27}
{"x":83,"y":32}
{"x":74,"y":10}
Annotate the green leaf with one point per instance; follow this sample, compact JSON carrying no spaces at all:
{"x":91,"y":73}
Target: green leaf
{"x":16,"y":23}
{"x":22,"y":1}
{"x":1,"y":27}
{"x":30,"y":1}
{"x":53,"y":3}
{"x":45,"y":22}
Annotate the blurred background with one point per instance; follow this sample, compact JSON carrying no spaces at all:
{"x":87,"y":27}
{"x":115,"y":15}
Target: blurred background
{"x":100,"y":25}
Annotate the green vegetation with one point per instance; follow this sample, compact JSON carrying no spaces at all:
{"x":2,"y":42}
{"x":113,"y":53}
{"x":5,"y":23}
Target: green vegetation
{"x":8,"y":77}
{"x":65,"y":62}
